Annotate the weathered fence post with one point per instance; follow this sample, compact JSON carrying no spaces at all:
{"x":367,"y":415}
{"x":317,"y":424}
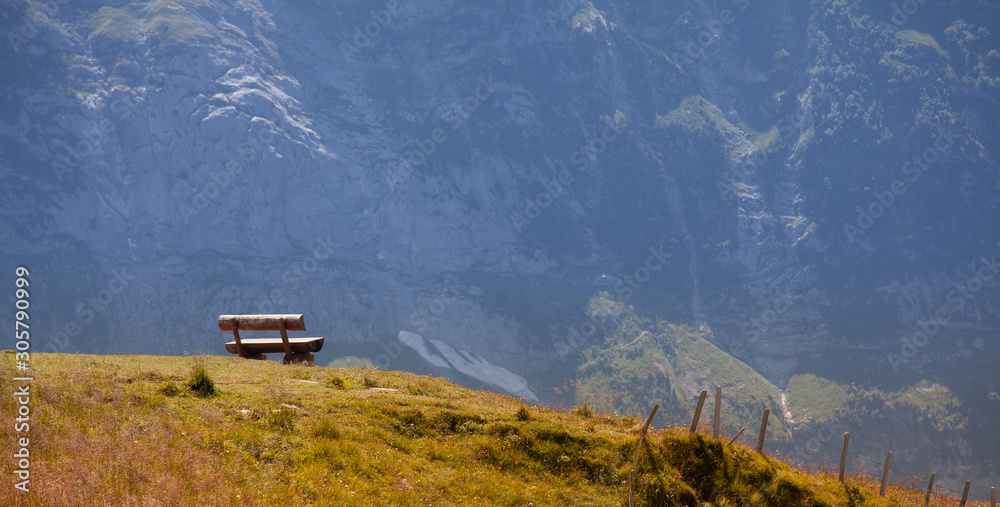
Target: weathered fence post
{"x":965,"y":494}
{"x":927,"y":497}
{"x":993,"y":496}
{"x":718,"y":411}
{"x":843,"y":455}
{"x":737,"y":436}
{"x":885,"y":473}
{"x":763,"y":430}
{"x":642,"y":435}
{"x":697,"y":411}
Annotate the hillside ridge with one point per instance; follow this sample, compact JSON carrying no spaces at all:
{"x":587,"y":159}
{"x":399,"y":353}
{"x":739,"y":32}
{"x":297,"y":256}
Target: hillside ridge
{"x":129,"y":430}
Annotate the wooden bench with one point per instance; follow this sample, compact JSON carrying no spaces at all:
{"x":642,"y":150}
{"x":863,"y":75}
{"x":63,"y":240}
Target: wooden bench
{"x":297,"y":350}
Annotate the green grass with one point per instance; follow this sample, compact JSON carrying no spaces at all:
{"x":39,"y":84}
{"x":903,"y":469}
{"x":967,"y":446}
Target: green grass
{"x":644,"y":362}
{"x":761,"y":138}
{"x":175,"y":25}
{"x":115,"y":23}
{"x":698,"y":118}
{"x":745,"y":392}
{"x":935,"y":404}
{"x":944,"y":405}
{"x":813,"y":398}
{"x":920,"y":38}
{"x":103,"y":432}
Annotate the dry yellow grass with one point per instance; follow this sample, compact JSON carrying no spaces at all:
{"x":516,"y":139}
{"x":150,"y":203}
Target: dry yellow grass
{"x":107,"y":430}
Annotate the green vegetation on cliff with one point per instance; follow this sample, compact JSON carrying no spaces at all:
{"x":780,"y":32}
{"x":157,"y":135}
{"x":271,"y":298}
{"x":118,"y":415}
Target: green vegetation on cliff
{"x":643,"y":362}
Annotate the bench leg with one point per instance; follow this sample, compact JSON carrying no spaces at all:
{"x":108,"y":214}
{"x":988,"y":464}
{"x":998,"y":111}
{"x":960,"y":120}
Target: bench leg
{"x":301,"y":358}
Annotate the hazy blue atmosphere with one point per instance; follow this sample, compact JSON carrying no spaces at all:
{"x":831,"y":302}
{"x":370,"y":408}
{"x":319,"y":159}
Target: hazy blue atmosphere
{"x":621,"y":201}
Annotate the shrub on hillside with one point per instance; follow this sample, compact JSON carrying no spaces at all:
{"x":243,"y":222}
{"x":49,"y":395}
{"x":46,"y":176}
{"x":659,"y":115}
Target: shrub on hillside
{"x":523,"y":414}
{"x":336,"y":382}
{"x":201,"y":383}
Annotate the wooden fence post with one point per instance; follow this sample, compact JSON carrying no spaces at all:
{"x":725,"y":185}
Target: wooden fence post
{"x":885,"y":473}
{"x":697,"y":411}
{"x":737,"y":436}
{"x":843,"y":455}
{"x":642,"y":436}
{"x":718,"y":411}
{"x":965,"y":494}
{"x":993,"y":496}
{"x":930,"y":485}
{"x":763,"y":429}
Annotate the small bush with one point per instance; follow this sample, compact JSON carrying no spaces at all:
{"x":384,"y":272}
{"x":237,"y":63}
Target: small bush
{"x":170,"y":389}
{"x":523,"y":414}
{"x":370,"y":382}
{"x":337,"y":382}
{"x":200,"y":382}
{"x":584,"y":410}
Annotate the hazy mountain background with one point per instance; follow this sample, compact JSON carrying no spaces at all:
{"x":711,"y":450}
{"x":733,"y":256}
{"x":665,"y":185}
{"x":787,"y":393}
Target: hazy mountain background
{"x":621,"y":202}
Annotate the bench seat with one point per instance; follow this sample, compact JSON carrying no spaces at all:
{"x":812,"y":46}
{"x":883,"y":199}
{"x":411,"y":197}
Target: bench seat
{"x":272,"y":345}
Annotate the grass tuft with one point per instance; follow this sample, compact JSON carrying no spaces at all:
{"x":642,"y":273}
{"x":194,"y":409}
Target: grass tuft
{"x":522,"y":414}
{"x":336,"y":382}
{"x":170,"y":389}
{"x":201,"y":383}
{"x":281,"y":420}
{"x":326,"y":428}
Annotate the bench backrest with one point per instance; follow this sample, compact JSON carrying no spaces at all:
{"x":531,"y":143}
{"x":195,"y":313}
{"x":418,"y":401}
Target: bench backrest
{"x":292,"y":322}
{"x":280,"y":323}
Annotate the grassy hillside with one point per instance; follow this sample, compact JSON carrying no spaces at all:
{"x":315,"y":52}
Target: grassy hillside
{"x":130,"y":430}
{"x":643,"y":362}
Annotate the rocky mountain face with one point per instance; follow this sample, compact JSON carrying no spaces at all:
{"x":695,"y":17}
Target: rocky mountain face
{"x":499,"y":188}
